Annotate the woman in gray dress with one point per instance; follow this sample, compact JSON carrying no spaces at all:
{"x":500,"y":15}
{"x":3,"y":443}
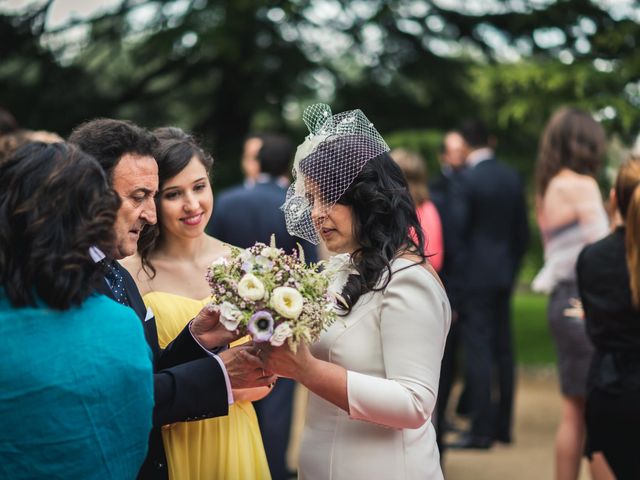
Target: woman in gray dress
{"x":570,"y":214}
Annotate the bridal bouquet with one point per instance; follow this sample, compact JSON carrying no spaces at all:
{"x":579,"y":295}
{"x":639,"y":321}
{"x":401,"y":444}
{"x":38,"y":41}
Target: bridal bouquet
{"x":274,"y":296}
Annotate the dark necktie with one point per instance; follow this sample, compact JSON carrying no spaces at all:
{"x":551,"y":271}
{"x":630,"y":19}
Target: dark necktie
{"x":116,"y":282}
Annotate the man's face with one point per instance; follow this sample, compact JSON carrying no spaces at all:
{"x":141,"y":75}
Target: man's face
{"x":135,"y":180}
{"x":250,"y":162}
{"x":455,"y":150}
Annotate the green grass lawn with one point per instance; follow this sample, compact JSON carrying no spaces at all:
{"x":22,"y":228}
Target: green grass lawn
{"x":533,"y":343}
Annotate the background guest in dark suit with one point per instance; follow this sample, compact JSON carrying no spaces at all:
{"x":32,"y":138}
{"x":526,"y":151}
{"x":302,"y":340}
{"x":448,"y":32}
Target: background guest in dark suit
{"x":251,"y":212}
{"x":190,"y":382}
{"x":608,"y":273}
{"x":448,"y":194}
{"x":77,"y":390}
{"x":241,"y":217}
{"x":496,"y":236}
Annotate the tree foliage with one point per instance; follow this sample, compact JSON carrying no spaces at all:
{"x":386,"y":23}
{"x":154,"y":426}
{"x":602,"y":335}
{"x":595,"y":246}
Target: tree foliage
{"x":222,"y":68}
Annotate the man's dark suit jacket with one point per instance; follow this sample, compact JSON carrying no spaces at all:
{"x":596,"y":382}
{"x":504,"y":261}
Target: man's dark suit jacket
{"x":245,"y":215}
{"x":448,"y":195}
{"x":497,"y":230}
{"x":188,"y":383}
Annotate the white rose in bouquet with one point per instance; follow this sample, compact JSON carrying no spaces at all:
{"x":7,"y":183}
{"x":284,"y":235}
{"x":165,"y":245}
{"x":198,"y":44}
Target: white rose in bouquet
{"x":251,"y":288}
{"x":287,"y":302}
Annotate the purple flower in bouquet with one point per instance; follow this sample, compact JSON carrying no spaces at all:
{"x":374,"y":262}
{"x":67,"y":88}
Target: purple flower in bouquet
{"x":260,"y":326}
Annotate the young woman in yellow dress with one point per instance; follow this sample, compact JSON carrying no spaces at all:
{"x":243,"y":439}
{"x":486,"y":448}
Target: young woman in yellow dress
{"x":170,"y":272}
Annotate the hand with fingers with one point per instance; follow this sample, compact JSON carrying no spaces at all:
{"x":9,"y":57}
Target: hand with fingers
{"x":208,"y":329}
{"x":284,"y":362}
{"x":245,"y":369}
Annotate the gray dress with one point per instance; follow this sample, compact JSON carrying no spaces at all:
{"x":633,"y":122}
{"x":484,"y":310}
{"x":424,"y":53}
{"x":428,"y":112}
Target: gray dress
{"x":558,"y":278}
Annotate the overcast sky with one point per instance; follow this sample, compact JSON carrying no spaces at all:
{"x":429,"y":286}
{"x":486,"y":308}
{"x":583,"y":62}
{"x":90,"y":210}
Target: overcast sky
{"x":63,"y":10}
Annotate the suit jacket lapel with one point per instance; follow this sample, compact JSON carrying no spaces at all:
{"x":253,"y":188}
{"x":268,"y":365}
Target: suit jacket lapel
{"x":137,"y":304}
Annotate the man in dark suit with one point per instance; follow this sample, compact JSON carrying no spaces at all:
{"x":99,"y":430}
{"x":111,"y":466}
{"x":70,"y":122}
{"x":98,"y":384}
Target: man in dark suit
{"x":496,"y":236}
{"x":245,"y":215}
{"x":447,"y":192}
{"x":191,"y":382}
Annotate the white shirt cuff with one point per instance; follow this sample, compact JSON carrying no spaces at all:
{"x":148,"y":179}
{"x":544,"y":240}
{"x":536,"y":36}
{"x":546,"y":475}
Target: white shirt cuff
{"x":219,"y":360}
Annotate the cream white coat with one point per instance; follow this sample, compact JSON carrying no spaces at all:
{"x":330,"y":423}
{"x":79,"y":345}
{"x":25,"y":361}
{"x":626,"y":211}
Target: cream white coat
{"x":391,"y":345}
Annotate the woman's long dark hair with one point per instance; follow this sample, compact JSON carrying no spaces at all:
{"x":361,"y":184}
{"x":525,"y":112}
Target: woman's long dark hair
{"x":385,"y":220}
{"x":571,"y":139}
{"x":55,"y":204}
{"x":173,"y":153}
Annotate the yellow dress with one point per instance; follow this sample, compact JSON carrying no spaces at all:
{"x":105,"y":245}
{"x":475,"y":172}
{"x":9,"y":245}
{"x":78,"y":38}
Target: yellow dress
{"x":223,"y":448}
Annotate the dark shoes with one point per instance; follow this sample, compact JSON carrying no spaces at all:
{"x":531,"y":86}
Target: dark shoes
{"x":467,"y":441}
{"x":449,"y":426}
{"x":505,"y":439}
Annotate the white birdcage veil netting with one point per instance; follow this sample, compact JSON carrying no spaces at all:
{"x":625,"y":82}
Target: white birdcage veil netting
{"x":326,"y":164}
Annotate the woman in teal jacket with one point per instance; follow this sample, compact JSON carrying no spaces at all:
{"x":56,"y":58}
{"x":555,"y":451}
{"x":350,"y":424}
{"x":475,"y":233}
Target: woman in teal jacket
{"x":76,"y":385}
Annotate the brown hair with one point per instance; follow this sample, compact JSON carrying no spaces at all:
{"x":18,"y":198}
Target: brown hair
{"x":10,"y":142}
{"x":413,"y":166}
{"x":628,"y":200}
{"x":108,"y":140}
{"x":572,"y":139}
{"x":55,"y":204}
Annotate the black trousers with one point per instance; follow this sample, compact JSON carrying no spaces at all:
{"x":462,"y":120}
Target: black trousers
{"x":489,"y":362}
{"x":613,"y":423}
{"x":447,"y":377}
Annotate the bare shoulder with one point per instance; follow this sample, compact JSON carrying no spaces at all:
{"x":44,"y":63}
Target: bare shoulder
{"x":217,"y":248}
{"x":588,"y":186}
{"x":570,"y":183}
{"x":565,"y":194}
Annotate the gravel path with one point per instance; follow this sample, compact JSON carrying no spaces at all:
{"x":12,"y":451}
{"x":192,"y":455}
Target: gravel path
{"x":530,"y":457}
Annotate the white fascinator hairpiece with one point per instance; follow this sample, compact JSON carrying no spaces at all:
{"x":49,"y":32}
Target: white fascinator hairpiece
{"x":326,"y":164}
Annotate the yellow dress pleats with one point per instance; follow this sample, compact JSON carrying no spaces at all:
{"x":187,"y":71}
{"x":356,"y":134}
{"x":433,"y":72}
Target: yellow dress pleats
{"x":224,"y":448}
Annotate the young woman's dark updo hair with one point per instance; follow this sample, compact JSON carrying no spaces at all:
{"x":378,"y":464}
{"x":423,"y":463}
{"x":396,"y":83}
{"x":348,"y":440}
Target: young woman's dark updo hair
{"x":174,"y":151}
{"x":384,"y":217}
{"x":55,"y":204}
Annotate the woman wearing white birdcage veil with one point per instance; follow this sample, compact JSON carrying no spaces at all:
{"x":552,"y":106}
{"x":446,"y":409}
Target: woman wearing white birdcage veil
{"x":373,"y":375}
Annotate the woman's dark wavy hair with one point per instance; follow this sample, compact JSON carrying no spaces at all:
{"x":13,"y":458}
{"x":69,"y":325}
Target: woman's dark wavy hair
{"x":174,"y":151}
{"x":384,"y":217}
{"x":55,"y":204}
